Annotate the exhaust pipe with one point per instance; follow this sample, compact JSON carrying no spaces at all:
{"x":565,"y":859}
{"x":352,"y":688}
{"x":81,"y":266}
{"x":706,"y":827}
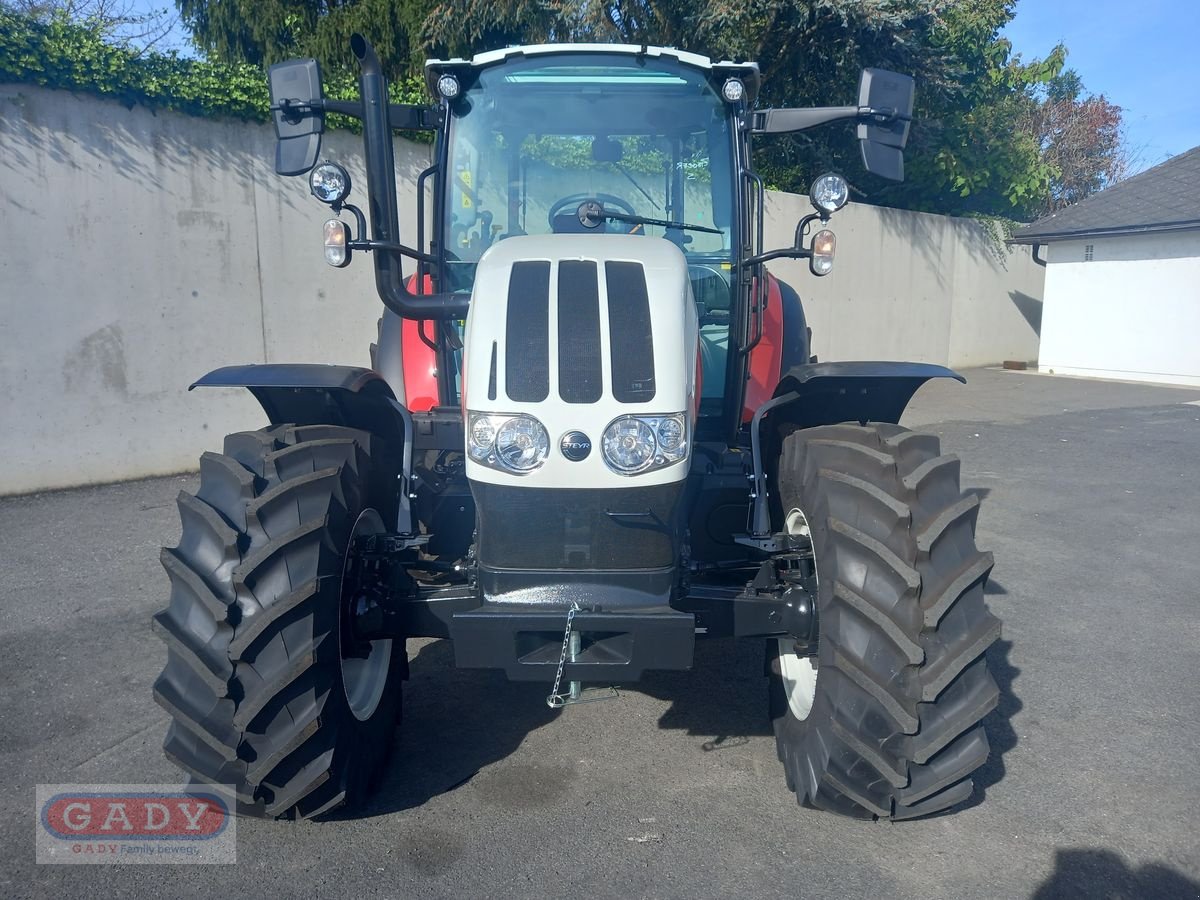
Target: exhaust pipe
{"x":381,"y":197}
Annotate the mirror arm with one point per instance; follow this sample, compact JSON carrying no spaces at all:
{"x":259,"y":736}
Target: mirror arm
{"x":789,"y":252}
{"x":784,"y":121}
{"x":797,"y":250}
{"x":392,"y":247}
{"x":402,"y":116}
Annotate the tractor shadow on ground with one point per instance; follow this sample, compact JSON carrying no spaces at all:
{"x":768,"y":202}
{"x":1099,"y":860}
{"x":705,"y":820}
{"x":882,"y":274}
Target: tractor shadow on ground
{"x":455,"y":722}
{"x":722,"y":698}
{"x":485,"y":718}
{"x":1001,"y":735}
{"x":1098,"y":872}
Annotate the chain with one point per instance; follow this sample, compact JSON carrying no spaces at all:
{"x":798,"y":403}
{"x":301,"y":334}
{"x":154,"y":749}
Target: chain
{"x":556,"y":700}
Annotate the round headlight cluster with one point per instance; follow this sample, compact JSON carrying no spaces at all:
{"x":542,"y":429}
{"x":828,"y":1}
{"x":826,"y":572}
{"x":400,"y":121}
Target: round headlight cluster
{"x":516,"y":444}
{"x":829,"y":193}
{"x":633,"y":444}
{"x":329,"y":183}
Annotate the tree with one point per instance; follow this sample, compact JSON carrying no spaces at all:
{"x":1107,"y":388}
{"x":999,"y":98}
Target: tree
{"x":1081,"y":139}
{"x":120,"y":22}
{"x":969,"y":152}
{"x":268,"y":31}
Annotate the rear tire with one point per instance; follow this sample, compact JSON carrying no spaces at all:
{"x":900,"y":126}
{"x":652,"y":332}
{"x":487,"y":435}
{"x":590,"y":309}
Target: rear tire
{"x":254,"y":680}
{"x":901,"y":683}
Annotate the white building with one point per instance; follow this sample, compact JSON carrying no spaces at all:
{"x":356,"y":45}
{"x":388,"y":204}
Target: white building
{"x":1122,"y":296}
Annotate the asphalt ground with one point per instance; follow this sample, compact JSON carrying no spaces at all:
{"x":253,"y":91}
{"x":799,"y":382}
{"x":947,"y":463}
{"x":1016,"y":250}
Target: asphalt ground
{"x":1091,"y":494}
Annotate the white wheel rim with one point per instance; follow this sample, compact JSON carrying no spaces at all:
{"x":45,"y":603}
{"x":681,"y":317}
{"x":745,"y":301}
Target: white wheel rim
{"x":799,"y":673}
{"x":363,"y":680}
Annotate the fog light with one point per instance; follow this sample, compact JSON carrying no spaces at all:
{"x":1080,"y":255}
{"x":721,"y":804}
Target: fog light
{"x":824,"y":243}
{"x":337,"y":238}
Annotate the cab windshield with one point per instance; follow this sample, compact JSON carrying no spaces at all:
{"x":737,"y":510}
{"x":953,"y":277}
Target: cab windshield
{"x":534,"y":138}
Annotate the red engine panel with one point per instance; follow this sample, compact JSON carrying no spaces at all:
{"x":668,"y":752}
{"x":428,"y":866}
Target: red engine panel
{"x":420,"y":360}
{"x":766,"y":359}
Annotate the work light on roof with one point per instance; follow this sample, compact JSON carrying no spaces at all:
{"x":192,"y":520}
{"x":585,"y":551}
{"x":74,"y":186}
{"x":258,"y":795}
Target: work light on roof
{"x":448,"y":87}
{"x":733,"y":90}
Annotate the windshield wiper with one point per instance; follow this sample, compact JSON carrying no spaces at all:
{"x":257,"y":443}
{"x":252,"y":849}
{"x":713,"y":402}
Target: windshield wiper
{"x":624,"y":171}
{"x":592,"y":214}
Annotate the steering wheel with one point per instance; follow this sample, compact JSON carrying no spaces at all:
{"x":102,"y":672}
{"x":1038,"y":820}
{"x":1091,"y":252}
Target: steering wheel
{"x":573,"y":200}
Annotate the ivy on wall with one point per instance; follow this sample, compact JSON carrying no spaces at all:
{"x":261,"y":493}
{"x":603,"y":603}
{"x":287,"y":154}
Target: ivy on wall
{"x":58,"y":53}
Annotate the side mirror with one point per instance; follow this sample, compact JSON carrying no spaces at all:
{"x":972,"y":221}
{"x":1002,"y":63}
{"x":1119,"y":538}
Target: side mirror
{"x":298,"y":113}
{"x":889,"y":98}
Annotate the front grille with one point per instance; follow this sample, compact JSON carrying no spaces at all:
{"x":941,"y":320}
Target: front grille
{"x":577,"y":528}
{"x":579,"y":376}
{"x":527,"y":333}
{"x":629,"y":331}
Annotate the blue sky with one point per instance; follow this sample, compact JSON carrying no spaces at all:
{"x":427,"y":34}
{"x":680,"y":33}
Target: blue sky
{"x":1135,"y":53}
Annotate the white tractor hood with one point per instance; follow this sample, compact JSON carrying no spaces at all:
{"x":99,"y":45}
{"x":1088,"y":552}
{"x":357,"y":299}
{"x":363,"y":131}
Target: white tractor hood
{"x":539,"y":306}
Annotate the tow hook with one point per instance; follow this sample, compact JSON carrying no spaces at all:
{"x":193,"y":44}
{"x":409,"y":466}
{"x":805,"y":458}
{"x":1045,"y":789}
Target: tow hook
{"x":571,"y":646}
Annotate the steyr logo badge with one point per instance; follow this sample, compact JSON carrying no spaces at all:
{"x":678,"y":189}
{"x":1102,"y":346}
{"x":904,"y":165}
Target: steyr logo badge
{"x":575,"y":446}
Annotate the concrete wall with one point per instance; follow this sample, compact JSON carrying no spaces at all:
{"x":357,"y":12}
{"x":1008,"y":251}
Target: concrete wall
{"x":140,"y":250}
{"x":1131,"y":312}
{"x":913,"y":286}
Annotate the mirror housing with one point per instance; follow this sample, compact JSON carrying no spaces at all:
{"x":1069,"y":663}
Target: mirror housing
{"x":886,"y":101}
{"x":297,"y":110}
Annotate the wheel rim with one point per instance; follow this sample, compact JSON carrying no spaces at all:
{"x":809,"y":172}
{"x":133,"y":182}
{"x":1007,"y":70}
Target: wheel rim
{"x":799,"y":673}
{"x":363,"y":679}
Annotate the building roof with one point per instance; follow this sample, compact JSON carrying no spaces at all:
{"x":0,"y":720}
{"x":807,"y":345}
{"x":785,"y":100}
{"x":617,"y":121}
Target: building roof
{"x":1164,"y":198}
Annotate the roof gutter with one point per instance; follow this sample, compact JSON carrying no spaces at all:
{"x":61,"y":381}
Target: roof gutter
{"x":1051,"y":236}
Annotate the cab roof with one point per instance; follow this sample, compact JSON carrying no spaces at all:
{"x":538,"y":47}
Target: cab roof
{"x":746,"y":71}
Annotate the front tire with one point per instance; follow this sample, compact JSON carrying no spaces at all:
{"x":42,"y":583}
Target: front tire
{"x":257,"y":681}
{"x":886,"y":720}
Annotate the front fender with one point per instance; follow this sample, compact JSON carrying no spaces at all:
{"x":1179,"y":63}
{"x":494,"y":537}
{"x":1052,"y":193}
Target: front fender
{"x":826,"y":394}
{"x":832,"y":392}
{"x":310,"y":394}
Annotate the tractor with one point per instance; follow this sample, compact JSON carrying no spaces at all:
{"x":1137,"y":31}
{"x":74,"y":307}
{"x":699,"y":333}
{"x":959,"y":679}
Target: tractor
{"x":592,"y":433}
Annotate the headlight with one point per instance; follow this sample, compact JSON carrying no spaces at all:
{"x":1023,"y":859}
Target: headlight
{"x":629,"y":445}
{"x":329,"y":183}
{"x":517,"y":444}
{"x":829,"y":193}
{"x":633,"y":444}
